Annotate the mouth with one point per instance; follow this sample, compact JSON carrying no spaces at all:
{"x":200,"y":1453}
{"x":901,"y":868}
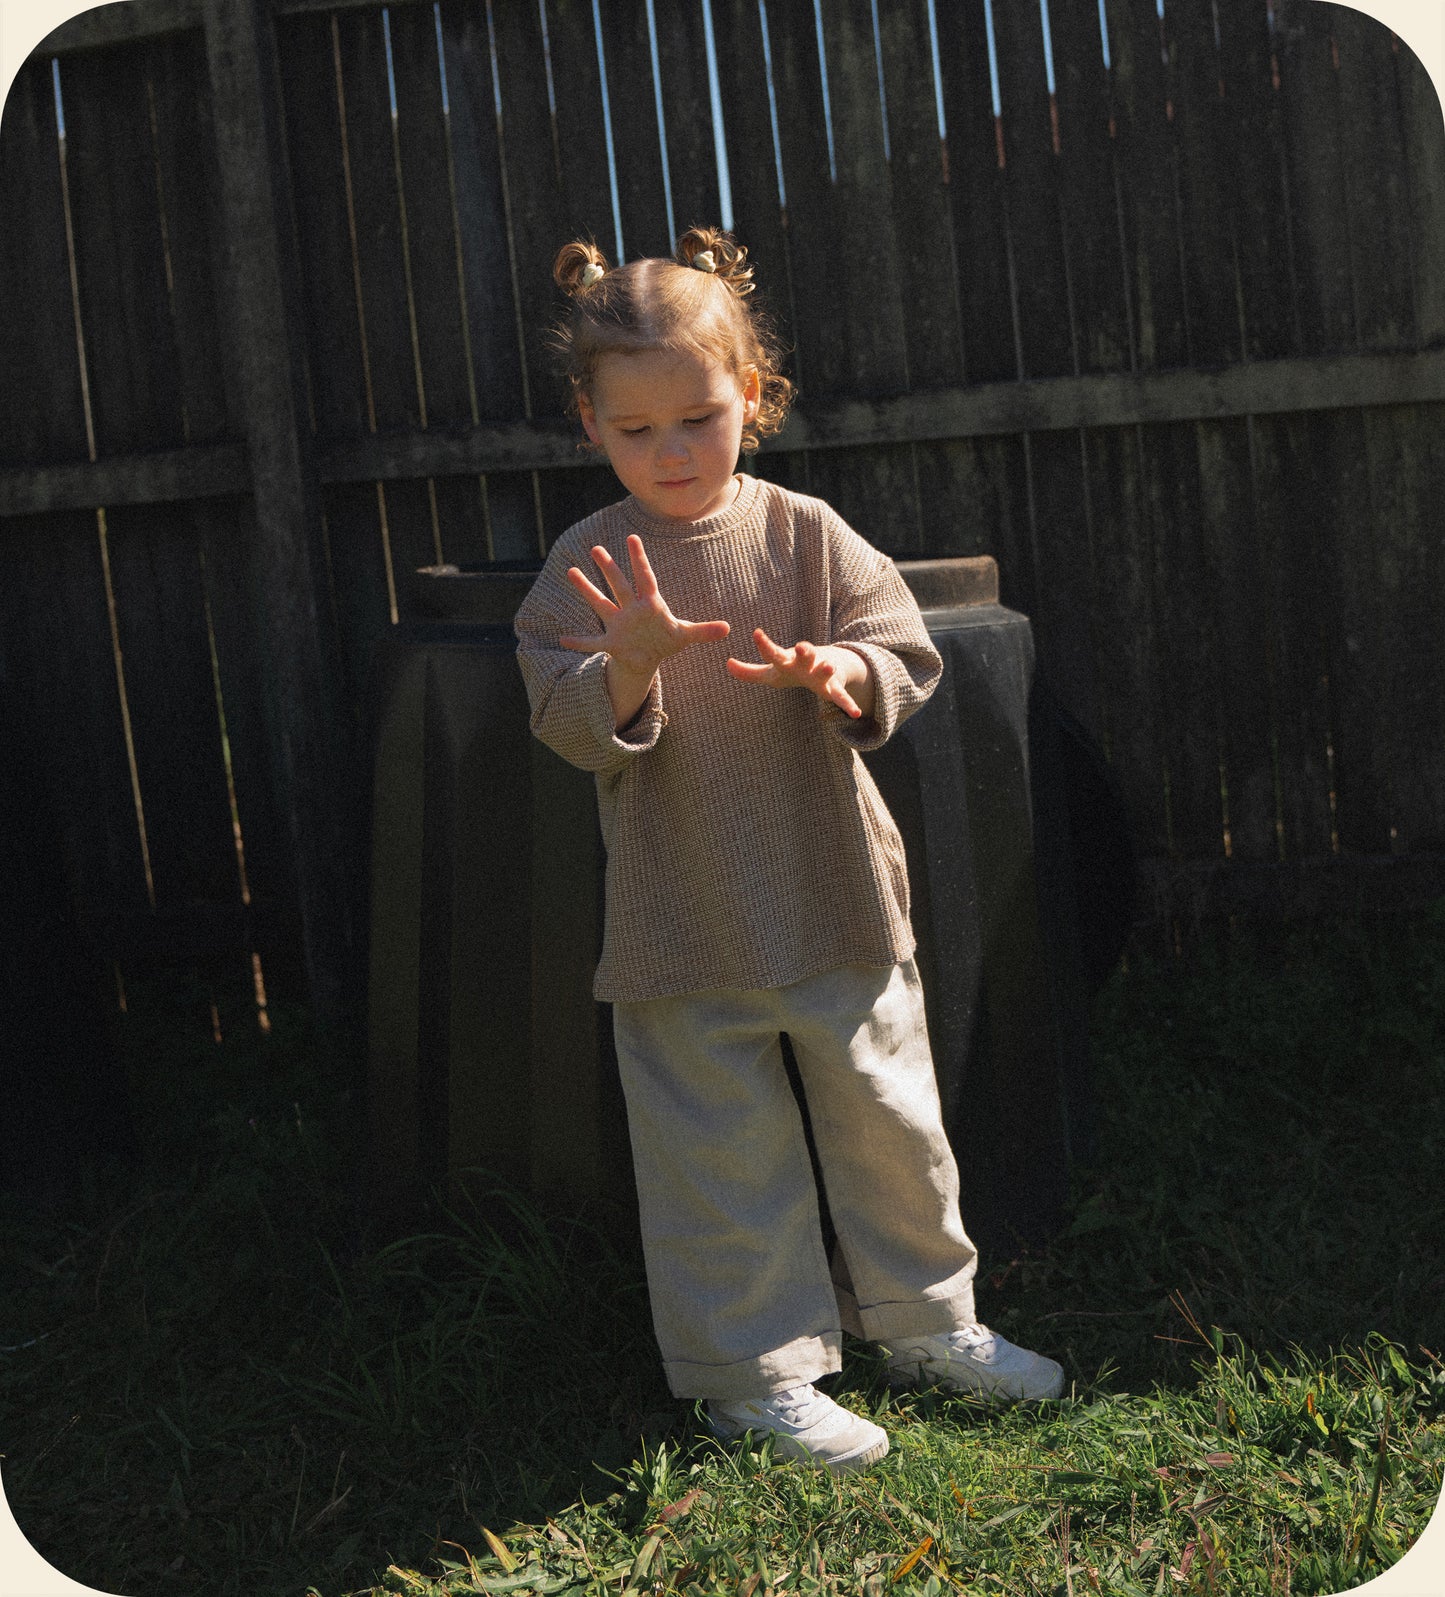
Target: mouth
{"x":676,"y":482}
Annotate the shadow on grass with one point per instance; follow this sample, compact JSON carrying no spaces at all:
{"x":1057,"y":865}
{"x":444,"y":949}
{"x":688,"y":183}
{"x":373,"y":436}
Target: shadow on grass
{"x":216,"y":1379}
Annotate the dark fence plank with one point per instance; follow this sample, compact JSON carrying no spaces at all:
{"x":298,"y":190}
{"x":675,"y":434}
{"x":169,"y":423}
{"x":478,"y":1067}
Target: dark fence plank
{"x":432,"y":244}
{"x":42,"y":410}
{"x":222,"y":530}
{"x":627,"y":50}
{"x":686,"y":114}
{"x":1240,"y":595}
{"x":1088,"y":186}
{"x":186,"y":177}
{"x":482,"y":219}
{"x":175,"y":729}
{"x":1294,"y":521}
{"x":396,"y":393}
{"x":1247,"y":128}
{"x":1204,"y":158}
{"x":1127,"y":633}
{"x":844,"y":234}
{"x":976,"y":189}
{"x":574,"y":203}
{"x":362,"y":580}
{"x":120,"y":263}
{"x":56,"y":642}
{"x":336,"y":362}
{"x":1030,"y":179}
{"x":1146,"y":159}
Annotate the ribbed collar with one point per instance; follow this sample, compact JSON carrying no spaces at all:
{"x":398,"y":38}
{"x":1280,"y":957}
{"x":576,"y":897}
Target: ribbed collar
{"x":740,"y":510}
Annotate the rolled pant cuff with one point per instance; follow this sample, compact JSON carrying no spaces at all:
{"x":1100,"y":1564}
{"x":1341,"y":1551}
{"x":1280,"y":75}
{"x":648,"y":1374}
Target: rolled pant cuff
{"x":795,"y":1364}
{"x":883,"y":1322}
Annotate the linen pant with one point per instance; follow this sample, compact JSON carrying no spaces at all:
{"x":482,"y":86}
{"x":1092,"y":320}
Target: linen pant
{"x":743,"y":1299}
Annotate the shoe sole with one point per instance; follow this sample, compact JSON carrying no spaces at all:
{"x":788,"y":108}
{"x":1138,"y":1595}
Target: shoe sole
{"x":788,"y":1447}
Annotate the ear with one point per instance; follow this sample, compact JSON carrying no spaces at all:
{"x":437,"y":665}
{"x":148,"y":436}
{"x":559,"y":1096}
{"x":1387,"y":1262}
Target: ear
{"x":589,"y":419}
{"x":752,"y":390}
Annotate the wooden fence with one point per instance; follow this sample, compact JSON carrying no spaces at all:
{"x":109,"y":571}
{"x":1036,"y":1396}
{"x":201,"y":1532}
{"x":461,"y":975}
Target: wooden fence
{"x":1149,"y":306}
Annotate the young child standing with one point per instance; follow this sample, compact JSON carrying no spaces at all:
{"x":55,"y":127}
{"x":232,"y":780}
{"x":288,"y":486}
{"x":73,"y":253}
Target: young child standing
{"x":756,"y":883}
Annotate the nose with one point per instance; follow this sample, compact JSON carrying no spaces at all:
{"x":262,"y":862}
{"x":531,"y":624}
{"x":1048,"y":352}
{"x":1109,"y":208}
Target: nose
{"x":671,"y":447}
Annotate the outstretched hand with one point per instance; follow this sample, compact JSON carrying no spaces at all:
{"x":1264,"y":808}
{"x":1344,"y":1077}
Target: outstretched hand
{"x":638,"y":630}
{"x":828,"y":672}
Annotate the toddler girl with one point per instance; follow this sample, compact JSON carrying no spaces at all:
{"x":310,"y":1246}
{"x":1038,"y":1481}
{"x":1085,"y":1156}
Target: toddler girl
{"x":756,"y":883}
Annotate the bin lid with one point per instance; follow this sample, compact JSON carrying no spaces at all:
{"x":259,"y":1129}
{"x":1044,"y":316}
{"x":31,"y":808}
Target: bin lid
{"x":492,"y":593}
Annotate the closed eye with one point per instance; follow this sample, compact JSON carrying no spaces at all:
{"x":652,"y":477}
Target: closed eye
{"x":632,"y":432}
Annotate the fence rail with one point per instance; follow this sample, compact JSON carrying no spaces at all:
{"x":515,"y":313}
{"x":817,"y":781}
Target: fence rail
{"x":1151,"y":308}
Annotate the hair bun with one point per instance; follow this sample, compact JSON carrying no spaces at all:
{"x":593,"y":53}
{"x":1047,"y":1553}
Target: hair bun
{"x":578,"y":266}
{"x":709,"y":249}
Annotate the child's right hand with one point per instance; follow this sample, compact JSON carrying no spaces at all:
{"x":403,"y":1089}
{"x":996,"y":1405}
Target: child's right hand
{"x":638,"y":630}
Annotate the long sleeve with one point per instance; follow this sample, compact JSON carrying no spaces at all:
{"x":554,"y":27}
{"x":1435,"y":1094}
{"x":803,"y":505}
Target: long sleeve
{"x":571,"y":712}
{"x":873,"y":612}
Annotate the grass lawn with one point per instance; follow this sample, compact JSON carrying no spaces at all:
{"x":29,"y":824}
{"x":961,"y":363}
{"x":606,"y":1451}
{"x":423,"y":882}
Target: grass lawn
{"x":211,"y":1381}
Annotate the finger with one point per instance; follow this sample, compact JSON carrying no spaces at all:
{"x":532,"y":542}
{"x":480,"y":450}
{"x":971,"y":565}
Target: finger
{"x":591,"y":593}
{"x":583,"y":645}
{"x":642,"y":573}
{"x":747,"y":671}
{"x":616,"y":578}
{"x":844,"y":700}
{"x":782,"y":658}
{"x":702,"y":631}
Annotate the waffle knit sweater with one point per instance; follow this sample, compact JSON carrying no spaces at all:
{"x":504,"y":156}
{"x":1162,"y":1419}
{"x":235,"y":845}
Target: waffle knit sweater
{"x":747,"y":845}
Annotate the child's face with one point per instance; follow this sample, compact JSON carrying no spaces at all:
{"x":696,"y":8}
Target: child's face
{"x":671,"y":424}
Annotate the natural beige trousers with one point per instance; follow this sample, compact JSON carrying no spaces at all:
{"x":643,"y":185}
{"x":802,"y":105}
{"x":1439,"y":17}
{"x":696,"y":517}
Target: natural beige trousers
{"x":743,"y":1299}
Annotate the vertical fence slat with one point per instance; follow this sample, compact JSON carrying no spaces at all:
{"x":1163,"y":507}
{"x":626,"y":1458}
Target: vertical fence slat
{"x":130,"y":338}
{"x":1205,"y":158}
{"x":508,"y":527}
{"x":42,"y":415}
{"x":1146,"y":159}
{"x":430,"y":231}
{"x":572,"y":200}
{"x":482,"y":215}
{"x":221,"y":529}
{"x":380,"y":262}
{"x":318,"y":185}
{"x":1240,"y":595}
{"x":975,"y":188}
{"x":1126,"y":658}
{"x":185,"y":161}
{"x":176,"y":732}
{"x":55,"y":634}
{"x":757,"y":204}
{"x":1087,"y":185}
{"x":842,"y":236}
{"x":686,"y":114}
{"x":1294,"y":518}
{"x":1030,"y":179}
{"x":633,"y":106}
{"x":1247,"y":128}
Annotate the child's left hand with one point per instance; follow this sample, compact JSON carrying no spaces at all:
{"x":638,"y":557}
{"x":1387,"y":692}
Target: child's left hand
{"x":841,"y":676}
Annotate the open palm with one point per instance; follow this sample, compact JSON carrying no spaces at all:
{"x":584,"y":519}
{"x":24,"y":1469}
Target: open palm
{"x":638,"y":629}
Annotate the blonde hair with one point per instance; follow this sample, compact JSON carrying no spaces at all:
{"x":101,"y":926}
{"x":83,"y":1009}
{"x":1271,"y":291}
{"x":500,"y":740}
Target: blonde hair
{"x":670,"y":305}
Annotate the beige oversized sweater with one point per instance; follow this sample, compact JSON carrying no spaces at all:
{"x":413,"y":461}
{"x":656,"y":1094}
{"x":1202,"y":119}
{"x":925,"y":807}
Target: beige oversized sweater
{"x":747,"y":845}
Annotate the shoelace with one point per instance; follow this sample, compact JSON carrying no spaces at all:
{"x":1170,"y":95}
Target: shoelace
{"x":967,"y":1336}
{"x":793,"y":1403}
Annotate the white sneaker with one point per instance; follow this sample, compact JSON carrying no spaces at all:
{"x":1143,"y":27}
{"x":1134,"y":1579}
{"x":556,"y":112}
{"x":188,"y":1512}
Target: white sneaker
{"x":807,"y":1425}
{"x":974,"y":1359}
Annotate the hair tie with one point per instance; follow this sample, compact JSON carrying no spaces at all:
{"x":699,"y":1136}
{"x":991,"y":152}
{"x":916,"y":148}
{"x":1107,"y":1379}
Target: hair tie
{"x":591,"y":273}
{"x":705,"y":261}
